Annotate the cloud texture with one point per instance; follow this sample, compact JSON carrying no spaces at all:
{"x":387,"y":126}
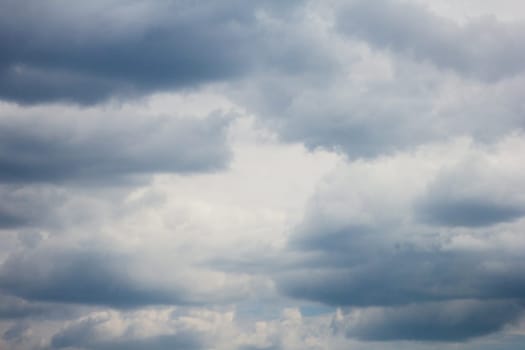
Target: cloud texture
{"x":270,"y":175}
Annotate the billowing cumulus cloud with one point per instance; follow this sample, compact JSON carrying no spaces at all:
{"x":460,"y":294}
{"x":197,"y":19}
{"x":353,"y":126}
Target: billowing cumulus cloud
{"x":192,"y":329}
{"x":110,"y":330}
{"x":44,"y":148}
{"x":367,"y":239}
{"x":272,"y":175}
{"x":376,"y":103}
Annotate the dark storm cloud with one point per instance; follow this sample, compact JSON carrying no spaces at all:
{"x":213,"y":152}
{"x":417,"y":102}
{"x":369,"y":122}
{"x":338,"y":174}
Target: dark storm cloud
{"x":452,"y":321}
{"x":44,"y":150}
{"x":485,"y":47}
{"x":89,"y":52}
{"x":29,"y":85}
{"x":381,"y":277}
{"x":82,"y":277}
{"x":418,"y":285}
{"x":469,"y":212}
{"x":418,"y":292}
{"x":474,"y":193}
{"x":8,"y":220}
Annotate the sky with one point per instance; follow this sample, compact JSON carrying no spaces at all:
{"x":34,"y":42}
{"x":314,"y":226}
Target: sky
{"x":262,"y":175}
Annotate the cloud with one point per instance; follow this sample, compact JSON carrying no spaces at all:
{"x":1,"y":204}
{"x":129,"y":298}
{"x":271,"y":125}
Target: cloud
{"x":254,"y":347}
{"x":161,"y":342}
{"x":53,"y":158}
{"x":87,"y":148}
{"x":17,"y":333}
{"x":177,"y":174}
{"x":10,"y":220}
{"x":450,"y":321}
{"x":363,"y":244}
{"x":484,"y":48}
{"x":481,"y":190}
{"x":105,"y":330}
{"x":366,"y":102}
{"x":15,"y":308}
{"x":92,"y":52}
{"x":111,"y":244}
{"x":24,"y":207}
{"x":470,"y":212}
{"x":118,"y":271}
{"x":375,"y":103}
{"x":78,"y":277}
{"x":169,"y":328}
{"x":325,"y":109}
{"x":116,"y":276}
{"x":385,"y":278}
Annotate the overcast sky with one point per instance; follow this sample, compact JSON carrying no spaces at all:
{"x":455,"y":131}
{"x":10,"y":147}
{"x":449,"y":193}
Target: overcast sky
{"x":262,"y":175}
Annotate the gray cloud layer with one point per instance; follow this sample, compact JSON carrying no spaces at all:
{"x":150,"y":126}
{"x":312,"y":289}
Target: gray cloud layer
{"x":396,"y":243}
{"x":76,"y":337}
{"x":47,"y":152}
{"x":90,"y":52}
{"x":415,"y":236}
{"x":453,"y":321}
{"x":78,"y":277}
{"x":483,"y":48}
